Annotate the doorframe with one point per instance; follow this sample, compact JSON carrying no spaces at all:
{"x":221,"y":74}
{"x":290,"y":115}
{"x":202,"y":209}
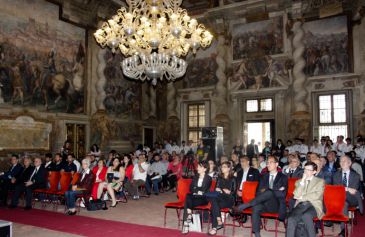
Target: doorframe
{"x":154,"y":134}
{"x":272,"y":129}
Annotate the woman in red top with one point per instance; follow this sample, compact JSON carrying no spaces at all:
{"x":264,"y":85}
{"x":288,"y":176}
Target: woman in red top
{"x":128,"y":166}
{"x":99,"y":172}
{"x":174,"y":172}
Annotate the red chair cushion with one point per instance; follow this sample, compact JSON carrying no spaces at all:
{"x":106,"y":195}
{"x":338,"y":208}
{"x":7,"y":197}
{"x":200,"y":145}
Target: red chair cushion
{"x":270,"y":215}
{"x":174,"y":205}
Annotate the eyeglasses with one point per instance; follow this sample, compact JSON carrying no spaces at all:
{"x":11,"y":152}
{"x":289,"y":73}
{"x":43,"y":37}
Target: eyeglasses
{"x":308,"y":170}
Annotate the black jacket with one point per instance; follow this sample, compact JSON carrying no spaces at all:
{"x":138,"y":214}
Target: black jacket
{"x":13,"y":172}
{"x":280,"y":181}
{"x":207,"y":182}
{"x":39,"y":179}
{"x":253,"y":175}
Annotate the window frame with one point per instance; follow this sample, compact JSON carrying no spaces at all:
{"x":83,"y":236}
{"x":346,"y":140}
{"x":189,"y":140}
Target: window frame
{"x":199,"y":126}
{"x":333,"y":123}
{"x":259,"y":105}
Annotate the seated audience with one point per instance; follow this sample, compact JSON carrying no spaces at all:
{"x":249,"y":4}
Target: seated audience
{"x":247,"y":173}
{"x":128,"y":167}
{"x":8,"y":178}
{"x":165,"y":162}
{"x":154,"y":175}
{"x":31,"y":178}
{"x":294,"y":169}
{"x":174,"y":173}
{"x":83,"y":186}
{"x":95,"y":151}
{"x":284,"y":159}
{"x":114,"y":179}
{"x":331,"y":165}
{"x":255,"y":163}
{"x":212,"y":169}
{"x":270,"y":197}
{"x":111,"y":156}
{"x":138,"y":178}
{"x":321,"y":173}
{"x":48,"y":160}
{"x":223,"y":197}
{"x":57,"y":163}
{"x":93,"y":161}
{"x":70,"y":166}
{"x":199,"y":186}
{"x":351,"y":180}
{"x":100,"y":175}
{"x":308,"y":194}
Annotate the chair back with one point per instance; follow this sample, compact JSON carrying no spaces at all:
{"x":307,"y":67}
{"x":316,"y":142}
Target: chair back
{"x":65,"y":181}
{"x":54,"y":179}
{"x":75,"y":178}
{"x":291,"y":187}
{"x":334,"y":199}
{"x":249,"y":191}
{"x":183,"y":188}
{"x":212,"y":186}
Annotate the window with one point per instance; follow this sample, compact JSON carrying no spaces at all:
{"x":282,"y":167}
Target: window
{"x":333,"y":115}
{"x":196,"y":120}
{"x":259,"y":105}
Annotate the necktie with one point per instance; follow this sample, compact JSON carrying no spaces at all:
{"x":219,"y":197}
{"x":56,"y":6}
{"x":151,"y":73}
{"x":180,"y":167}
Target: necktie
{"x":344,"y":179}
{"x":271,"y":181}
{"x":291,"y":173}
{"x":33,"y":175}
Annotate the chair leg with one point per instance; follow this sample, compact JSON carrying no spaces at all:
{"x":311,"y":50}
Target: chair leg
{"x":276,"y":227}
{"x":178,"y":217}
{"x":322,"y":228}
{"x":224,"y":222}
{"x":164,"y":218}
{"x":346,"y":230}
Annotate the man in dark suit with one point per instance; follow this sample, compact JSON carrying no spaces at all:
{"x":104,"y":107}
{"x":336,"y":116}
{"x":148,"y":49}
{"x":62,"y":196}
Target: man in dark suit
{"x":270,"y":196}
{"x":293,"y":170}
{"x":36,"y":180}
{"x":351,"y":180}
{"x":7,"y":179}
{"x":57,"y":163}
{"x":246,"y":173}
{"x":332,"y":165}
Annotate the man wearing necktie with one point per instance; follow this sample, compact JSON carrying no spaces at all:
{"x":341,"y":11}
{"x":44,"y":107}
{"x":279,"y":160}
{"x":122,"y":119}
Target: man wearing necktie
{"x":308,"y":194}
{"x":7,"y":179}
{"x":36,"y":180}
{"x":293,"y":170}
{"x":351,"y":181}
{"x":270,"y":196}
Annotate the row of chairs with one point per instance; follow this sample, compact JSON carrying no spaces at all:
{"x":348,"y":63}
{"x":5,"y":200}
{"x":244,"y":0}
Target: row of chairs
{"x":59,"y":183}
{"x":334,"y":207}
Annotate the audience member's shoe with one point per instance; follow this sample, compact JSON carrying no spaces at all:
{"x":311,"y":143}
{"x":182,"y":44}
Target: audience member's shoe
{"x":174,"y":190}
{"x":28,"y":208}
{"x":342,"y":233}
{"x":135,"y":197}
{"x":185,"y":229}
{"x":213,"y":231}
{"x":148,"y":193}
{"x":221,"y":226}
{"x":156,"y":194}
{"x":114,"y":205}
{"x":72,"y":213}
{"x":243,"y":219}
{"x":12,"y":206}
{"x":234,"y":211}
{"x":328,"y":223}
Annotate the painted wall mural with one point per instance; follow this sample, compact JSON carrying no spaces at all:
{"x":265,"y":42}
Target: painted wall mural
{"x":255,"y":39}
{"x":123,"y":96}
{"x":327,"y":48}
{"x":202,"y":68}
{"x":257,"y":73}
{"x":42,"y":59}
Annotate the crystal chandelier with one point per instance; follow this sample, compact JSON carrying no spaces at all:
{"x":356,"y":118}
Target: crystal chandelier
{"x":153,"y":35}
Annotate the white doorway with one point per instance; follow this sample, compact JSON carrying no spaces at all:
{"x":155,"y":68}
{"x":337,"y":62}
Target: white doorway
{"x":261,"y":132}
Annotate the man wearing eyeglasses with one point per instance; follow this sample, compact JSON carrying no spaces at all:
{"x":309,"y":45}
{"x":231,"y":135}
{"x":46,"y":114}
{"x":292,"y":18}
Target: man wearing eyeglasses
{"x":351,"y":180}
{"x":270,"y":195}
{"x":308,"y":194}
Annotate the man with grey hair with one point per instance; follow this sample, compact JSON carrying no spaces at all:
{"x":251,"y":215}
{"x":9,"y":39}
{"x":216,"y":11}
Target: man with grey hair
{"x":33,"y":180}
{"x":351,"y":180}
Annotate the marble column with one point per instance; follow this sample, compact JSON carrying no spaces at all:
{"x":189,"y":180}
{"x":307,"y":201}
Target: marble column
{"x":101,"y":80}
{"x":221,"y":86}
{"x":300,"y":91}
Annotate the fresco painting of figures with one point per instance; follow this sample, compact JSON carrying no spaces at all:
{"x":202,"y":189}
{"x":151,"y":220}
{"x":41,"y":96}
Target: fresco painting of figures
{"x":42,"y":59}
{"x":123,"y":96}
{"x":252,"y":40}
{"x":327,"y":49}
{"x":202,"y":67}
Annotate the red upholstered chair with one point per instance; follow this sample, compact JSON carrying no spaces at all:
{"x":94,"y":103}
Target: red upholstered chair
{"x":75,"y":178}
{"x":248,"y":193}
{"x":53,"y":179}
{"x":291,"y":187}
{"x":334,"y":200}
{"x":65,"y":182}
{"x":183,"y":188}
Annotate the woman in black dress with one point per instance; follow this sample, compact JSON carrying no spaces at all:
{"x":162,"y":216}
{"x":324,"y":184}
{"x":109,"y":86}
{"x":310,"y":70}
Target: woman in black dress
{"x":223,"y":197}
